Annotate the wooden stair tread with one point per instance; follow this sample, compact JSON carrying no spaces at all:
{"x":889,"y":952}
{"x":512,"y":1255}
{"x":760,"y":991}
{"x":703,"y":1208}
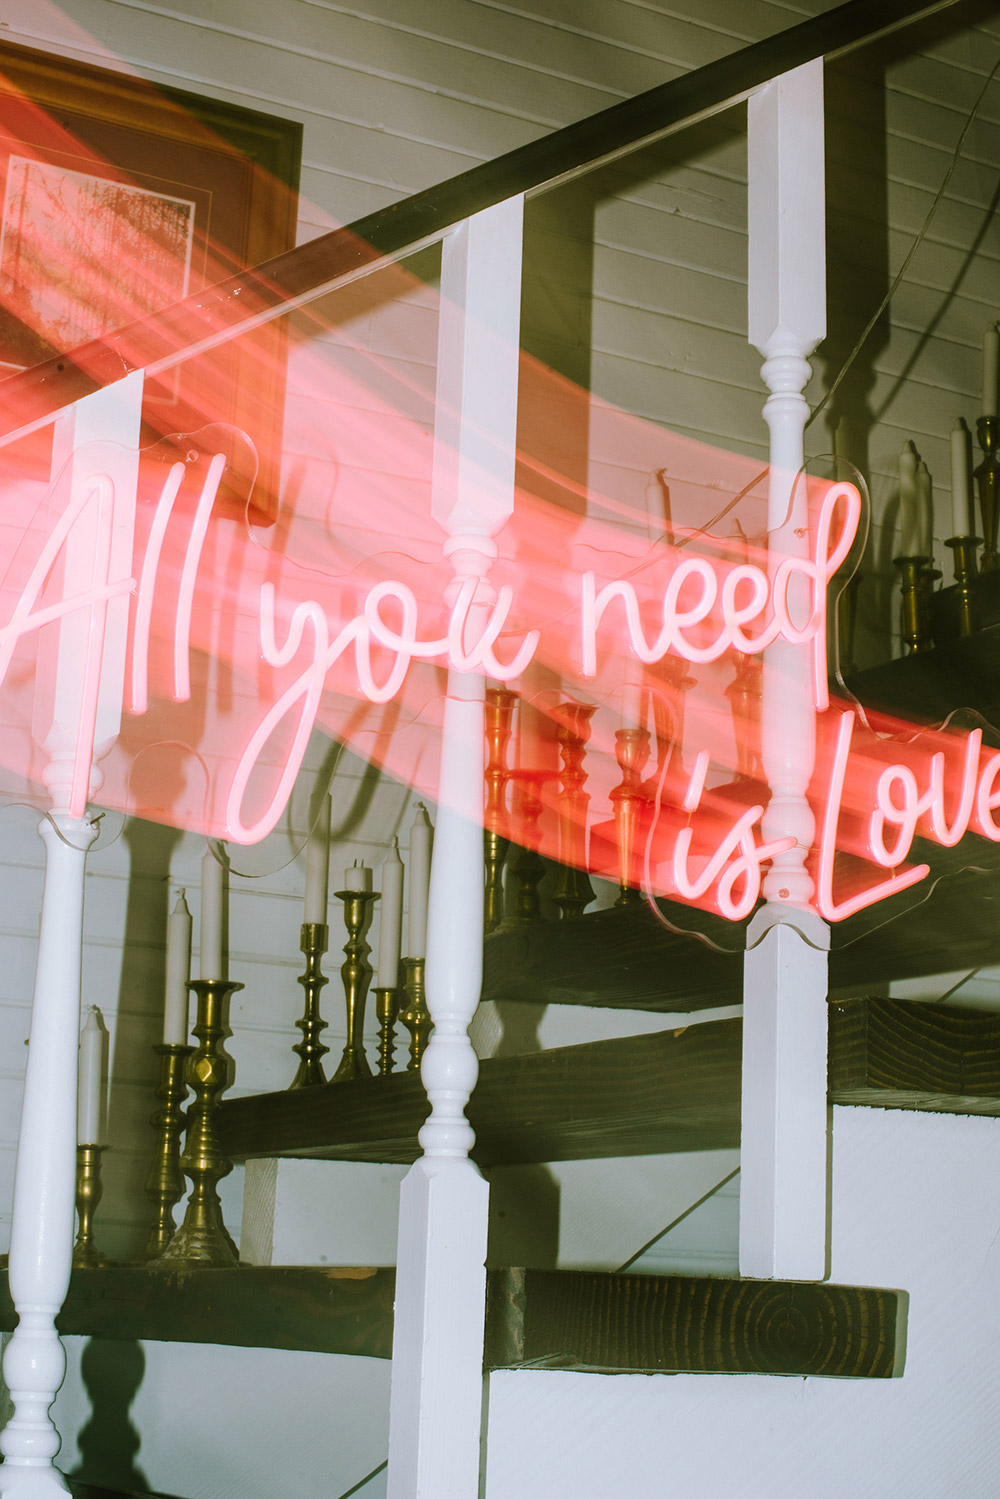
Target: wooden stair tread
{"x":640,"y":1095}
{"x":554,"y":1319}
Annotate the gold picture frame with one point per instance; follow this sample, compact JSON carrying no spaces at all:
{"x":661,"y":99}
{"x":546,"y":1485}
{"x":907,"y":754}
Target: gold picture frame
{"x":118,"y":197}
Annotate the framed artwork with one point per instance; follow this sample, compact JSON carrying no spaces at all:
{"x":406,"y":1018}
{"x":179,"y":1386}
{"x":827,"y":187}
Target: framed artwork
{"x":119,"y":198}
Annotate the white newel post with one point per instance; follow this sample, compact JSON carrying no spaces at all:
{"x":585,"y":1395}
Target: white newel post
{"x":81,"y":676}
{"x":436,"y":1401}
{"x":784,"y":1126}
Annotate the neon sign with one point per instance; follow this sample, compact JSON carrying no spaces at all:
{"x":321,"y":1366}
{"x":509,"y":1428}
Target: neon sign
{"x":301,"y":633}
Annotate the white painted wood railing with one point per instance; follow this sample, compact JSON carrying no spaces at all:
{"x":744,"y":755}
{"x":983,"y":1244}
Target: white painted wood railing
{"x":784,"y":1112}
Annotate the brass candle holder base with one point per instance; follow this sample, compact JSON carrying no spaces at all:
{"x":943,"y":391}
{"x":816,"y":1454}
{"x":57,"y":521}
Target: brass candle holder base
{"x":386,"y":1005}
{"x":165,"y":1182}
{"x":415,"y":1016}
{"x":629,"y":801}
{"x":202,"y":1238}
{"x":88,"y":1194}
{"x":964,"y":548}
{"x":356,"y":974}
{"x":914,"y":621}
{"x":311,"y":1050}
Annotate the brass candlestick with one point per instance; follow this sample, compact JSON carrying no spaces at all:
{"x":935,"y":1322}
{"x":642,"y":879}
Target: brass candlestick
{"x":574,"y":891}
{"x":202,"y":1238}
{"x":499,"y":712}
{"x":415,"y":1016}
{"x":914,"y":623}
{"x":386,"y":1005}
{"x":629,"y":801}
{"x":987,"y":477}
{"x":964,"y":548}
{"x":313,"y":943}
{"x":88,"y":1195}
{"x":356,"y":974}
{"x":529,"y":866}
{"x":165,"y":1182}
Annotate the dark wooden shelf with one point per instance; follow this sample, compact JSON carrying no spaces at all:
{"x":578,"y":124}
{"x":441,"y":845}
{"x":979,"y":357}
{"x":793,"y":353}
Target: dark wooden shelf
{"x":625,"y":958}
{"x":642,"y":1095}
{"x":607,"y":1098}
{"x":323,"y":1310}
{"x":650,"y":1324}
{"x":546,"y":1319}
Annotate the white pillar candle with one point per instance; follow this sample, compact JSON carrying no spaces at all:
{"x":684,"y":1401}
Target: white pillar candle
{"x":961,"y":494}
{"x":88,"y":1112}
{"x":358,"y":876}
{"x":318,"y":865}
{"x":175,"y":1008}
{"x":908,"y":501}
{"x":390,"y":919}
{"x":991,"y":369}
{"x":421,"y":842}
{"x":925,"y":511}
{"x":213,"y":879}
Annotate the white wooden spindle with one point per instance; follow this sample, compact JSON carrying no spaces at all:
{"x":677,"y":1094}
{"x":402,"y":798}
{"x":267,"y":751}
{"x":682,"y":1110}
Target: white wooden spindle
{"x":437,"y":1396}
{"x":44,"y":1183}
{"x":783,"y":1159}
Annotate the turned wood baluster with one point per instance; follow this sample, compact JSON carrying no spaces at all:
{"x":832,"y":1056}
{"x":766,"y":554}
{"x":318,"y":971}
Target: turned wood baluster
{"x":574,"y":891}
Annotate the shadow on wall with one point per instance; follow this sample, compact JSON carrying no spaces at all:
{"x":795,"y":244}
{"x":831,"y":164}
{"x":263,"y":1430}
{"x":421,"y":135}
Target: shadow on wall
{"x":109,"y":1443}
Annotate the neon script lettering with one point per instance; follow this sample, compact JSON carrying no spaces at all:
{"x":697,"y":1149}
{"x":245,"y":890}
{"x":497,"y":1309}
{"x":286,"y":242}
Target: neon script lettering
{"x":720,"y":606}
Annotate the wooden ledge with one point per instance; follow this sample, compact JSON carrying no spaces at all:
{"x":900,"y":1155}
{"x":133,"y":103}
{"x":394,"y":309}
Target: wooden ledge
{"x":551,"y":1319}
{"x":639,"y":1095}
{"x":652,"y":1324}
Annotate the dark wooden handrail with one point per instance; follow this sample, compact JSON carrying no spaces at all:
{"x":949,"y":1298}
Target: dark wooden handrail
{"x":240,"y":302}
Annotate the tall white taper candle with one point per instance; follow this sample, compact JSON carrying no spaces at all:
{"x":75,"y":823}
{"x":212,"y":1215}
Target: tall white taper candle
{"x":908,"y":524}
{"x":961,"y":495}
{"x":390,"y":920}
{"x":421,"y":842}
{"x":925,"y":511}
{"x":213,"y":879}
{"x":175,"y":1008}
{"x":89,"y":1111}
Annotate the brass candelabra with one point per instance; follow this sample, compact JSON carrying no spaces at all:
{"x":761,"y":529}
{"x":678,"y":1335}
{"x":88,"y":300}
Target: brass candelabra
{"x":574,"y":891}
{"x":356,"y":974}
{"x":202,"y":1238}
{"x":165,"y":1182}
{"x":88,"y":1194}
{"x":311,"y":1050}
{"x":415,"y":1016}
{"x":629,"y":800}
{"x":386,"y":1005}
{"x":964,"y":549}
{"x":914,"y":591}
{"x":529,"y":866}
